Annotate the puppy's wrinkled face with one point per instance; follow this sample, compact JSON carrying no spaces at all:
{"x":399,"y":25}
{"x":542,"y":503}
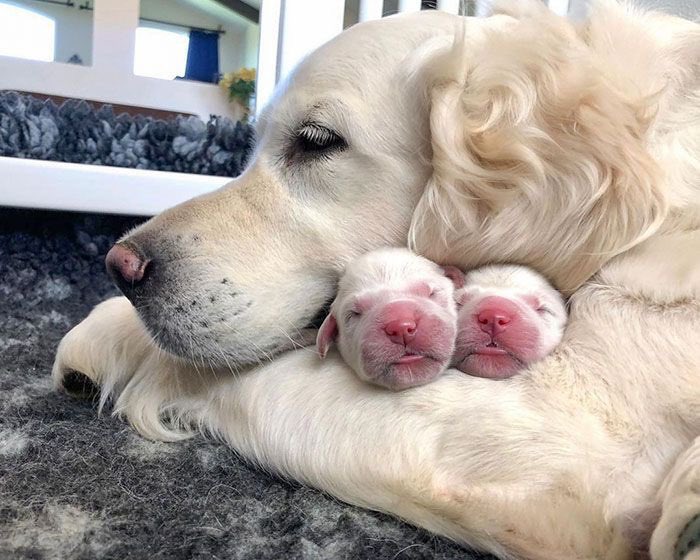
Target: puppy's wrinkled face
{"x":394,"y":319}
{"x":509,"y":317}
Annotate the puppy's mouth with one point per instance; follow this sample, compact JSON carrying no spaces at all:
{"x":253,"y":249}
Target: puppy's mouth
{"x":409,"y":359}
{"x":411,"y":356}
{"x":489,"y":360}
{"x":410,"y":370}
{"x":468,"y":347}
{"x":492,"y":349}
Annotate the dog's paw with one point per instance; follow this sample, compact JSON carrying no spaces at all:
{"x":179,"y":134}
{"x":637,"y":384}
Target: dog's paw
{"x":109,"y":341}
{"x":689,"y":540}
{"x":677,"y":534}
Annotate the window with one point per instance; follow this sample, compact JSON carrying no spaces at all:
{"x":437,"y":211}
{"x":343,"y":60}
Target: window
{"x":160,"y":53}
{"x":26,"y":34}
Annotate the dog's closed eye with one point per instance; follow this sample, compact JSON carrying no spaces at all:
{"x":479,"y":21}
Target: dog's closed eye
{"x":313,"y":139}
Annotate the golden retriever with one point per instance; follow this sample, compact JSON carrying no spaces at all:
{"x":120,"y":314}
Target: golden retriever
{"x":515,"y":138}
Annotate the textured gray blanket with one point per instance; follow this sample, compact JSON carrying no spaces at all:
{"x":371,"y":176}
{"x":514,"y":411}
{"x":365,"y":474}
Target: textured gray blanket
{"x":75,"y":485}
{"x":78,"y":132}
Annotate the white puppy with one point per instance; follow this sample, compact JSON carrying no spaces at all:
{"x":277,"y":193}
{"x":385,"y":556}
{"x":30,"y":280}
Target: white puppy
{"x":395,"y":324}
{"x":509,"y":317}
{"x":394,"y":319}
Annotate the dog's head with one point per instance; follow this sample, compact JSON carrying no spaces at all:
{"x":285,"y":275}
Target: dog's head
{"x":480,"y":140}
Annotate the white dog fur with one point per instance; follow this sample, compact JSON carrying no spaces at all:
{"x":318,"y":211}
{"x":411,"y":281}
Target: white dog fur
{"x":573,"y":150}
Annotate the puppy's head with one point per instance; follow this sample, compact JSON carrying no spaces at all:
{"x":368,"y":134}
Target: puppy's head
{"x":509,"y":316}
{"x":394,"y":319}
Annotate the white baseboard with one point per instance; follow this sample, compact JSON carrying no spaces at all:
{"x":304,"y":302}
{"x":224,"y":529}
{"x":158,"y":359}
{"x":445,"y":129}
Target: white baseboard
{"x":94,"y":188}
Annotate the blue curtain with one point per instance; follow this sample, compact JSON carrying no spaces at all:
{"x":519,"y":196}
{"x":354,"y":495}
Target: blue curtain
{"x":203,"y":57}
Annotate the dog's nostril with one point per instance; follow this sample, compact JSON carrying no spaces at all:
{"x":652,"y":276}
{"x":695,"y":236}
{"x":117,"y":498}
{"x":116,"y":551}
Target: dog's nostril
{"x":126,"y":267}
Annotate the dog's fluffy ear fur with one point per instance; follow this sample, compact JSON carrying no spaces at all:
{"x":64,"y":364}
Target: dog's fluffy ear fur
{"x":538,"y":156}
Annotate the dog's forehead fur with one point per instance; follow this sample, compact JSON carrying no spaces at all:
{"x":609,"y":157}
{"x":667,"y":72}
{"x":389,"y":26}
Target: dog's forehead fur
{"x":361,"y":58}
{"x":393,"y":269}
{"x":363,"y":65}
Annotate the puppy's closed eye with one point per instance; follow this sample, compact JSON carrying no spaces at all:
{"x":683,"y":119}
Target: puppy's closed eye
{"x":352,"y":314}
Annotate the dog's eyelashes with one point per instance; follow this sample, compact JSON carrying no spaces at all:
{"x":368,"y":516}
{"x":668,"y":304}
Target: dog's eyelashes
{"x":314,"y":139}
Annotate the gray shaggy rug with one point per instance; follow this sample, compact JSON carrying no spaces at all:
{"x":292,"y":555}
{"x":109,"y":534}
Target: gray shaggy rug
{"x":77,"y":486}
{"x":80,"y":132}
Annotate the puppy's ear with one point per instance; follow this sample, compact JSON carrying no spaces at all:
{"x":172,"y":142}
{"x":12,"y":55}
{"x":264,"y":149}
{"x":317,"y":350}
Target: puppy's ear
{"x":539,"y":154}
{"x":326,"y":335}
{"x":454,"y":274}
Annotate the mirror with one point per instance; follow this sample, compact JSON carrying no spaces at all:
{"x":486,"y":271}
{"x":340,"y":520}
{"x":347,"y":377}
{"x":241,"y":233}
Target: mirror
{"x":199,"y":40}
{"x":48,"y":30}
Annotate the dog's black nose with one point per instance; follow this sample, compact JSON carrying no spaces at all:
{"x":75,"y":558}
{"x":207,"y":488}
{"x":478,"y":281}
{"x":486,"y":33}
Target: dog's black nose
{"x":126,"y":267}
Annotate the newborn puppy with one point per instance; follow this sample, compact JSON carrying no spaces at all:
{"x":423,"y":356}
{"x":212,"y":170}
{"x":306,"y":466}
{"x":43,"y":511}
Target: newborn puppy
{"x":509,"y":317}
{"x":394,"y":319}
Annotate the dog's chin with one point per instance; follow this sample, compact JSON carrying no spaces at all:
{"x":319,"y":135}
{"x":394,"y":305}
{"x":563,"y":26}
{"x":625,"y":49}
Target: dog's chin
{"x":404,"y":374}
{"x":219,"y":349}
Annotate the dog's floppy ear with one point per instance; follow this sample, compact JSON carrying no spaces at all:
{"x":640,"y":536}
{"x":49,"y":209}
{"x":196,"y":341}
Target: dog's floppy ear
{"x":538,"y":156}
{"x":326,"y":334}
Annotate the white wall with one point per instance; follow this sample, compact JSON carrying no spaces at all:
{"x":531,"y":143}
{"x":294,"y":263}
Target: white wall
{"x":110,"y":79}
{"x":252,"y":46}
{"x":685,"y":8}
{"x":73,"y":28}
{"x":237,"y":47}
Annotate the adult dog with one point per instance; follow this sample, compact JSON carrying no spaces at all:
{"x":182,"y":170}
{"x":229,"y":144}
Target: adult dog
{"x":514,"y":138}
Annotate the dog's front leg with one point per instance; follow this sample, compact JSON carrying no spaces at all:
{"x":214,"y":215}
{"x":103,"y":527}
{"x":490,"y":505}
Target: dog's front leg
{"x":307,"y":419}
{"x":438,"y":456}
{"x":313,"y":421}
{"x":443,"y":456}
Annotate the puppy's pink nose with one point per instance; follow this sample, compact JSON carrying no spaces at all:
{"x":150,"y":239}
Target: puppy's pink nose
{"x":400,"y":322}
{"x":495,"y":314}
{"x":125,"y":266}
{"x":401,"y":331}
